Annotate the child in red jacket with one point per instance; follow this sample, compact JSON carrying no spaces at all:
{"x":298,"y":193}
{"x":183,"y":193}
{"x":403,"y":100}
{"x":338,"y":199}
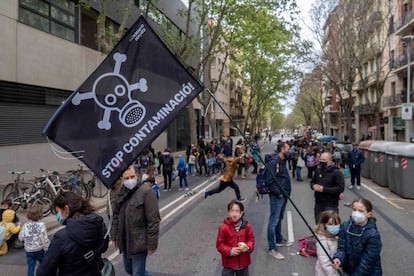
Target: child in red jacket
{"x":235,"y":241}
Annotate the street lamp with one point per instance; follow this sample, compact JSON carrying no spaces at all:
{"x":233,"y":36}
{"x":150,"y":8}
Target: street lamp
{"x":407,"y":109}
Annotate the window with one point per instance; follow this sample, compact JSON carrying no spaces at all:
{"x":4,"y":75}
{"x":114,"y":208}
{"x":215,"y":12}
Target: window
{"x":57,"y":17}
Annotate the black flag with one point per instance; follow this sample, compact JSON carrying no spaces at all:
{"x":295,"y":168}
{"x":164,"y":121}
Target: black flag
{"x":124,"y":104}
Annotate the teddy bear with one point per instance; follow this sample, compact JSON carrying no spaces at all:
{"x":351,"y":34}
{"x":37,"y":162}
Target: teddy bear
{"x":10,"y":227}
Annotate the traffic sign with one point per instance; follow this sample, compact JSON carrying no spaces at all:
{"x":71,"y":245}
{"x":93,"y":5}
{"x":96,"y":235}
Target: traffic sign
{"x":406,"y":111}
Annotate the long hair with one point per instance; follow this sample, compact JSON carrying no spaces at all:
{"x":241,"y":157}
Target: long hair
{"x":78,"y":206}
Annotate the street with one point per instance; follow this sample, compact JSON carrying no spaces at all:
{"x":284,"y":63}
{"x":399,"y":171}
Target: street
{"x":190,"y":224}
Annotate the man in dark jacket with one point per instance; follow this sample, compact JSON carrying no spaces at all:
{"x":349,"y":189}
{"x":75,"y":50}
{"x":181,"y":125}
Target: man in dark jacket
{"x":276,"y":181}
{"x":136,"y":222}
{"x":328,"y":184}
{"x":355,"y":159}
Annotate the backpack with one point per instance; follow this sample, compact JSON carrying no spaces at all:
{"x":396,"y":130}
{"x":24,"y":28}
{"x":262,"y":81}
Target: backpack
{"x":144,"y":161}
{"x":310,"y":160}
{"x":260,"y":182}
{"x":307,"y":246}
{"x":2,"y":232}
{"x":167,"y":161}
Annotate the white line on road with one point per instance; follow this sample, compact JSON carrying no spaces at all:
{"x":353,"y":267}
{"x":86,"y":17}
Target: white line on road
{"x":291,"y":236}
{"x":373,"y":191}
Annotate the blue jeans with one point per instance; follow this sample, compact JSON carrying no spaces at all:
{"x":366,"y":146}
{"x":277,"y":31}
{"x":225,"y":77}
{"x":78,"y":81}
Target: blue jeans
{"x":298,"y":173}
{"x":135,"y":265}
{"x":31,"y":258}
{"x":274,"y":228}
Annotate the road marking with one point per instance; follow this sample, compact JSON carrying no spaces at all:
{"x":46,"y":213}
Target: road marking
{"x":382,"y":197}
{"x":373,"y":191}
{"x":181,"y":197}
{"x":213,"y":182}
{"x":394,"y":204}
{"x":291,"y":236}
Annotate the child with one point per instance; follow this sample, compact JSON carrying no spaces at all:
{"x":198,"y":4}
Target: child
{"x":154,"y":185}
{"x":359,"y":243}
{"x":10,"y":229}
{"x":235,"y":241}
{"x":327,"y":230}
{"x":191,"y":164}
{"x":210,"y":163}
{"x":34,"y":235}
{"x":182,"y":173}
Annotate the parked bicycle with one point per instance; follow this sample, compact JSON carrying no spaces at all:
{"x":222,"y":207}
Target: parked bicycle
{"x":31,"y":195}
{"x":18,"y":183}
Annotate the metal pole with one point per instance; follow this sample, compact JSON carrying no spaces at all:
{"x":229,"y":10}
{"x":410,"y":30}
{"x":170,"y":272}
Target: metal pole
{"x":408,"y":122}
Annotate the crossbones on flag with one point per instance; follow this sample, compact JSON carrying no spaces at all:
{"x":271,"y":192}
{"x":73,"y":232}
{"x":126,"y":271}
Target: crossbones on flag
{"x":124,"y":104}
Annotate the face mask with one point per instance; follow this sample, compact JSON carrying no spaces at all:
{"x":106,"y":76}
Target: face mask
{"x":333,"y":229}
{"x":323,"y":165}
{"x":130,"y":183}
{"x":60,"y":218}
{"x":358,"y":217}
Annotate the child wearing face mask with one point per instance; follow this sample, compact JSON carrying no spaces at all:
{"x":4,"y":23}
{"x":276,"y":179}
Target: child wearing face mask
{"x":327,"y":230}
{"x":359,"y":243}
{"x":235,"y":241}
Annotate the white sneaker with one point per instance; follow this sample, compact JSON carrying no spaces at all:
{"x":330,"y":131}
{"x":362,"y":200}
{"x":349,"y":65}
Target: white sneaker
{"x":180,"y":189}
{"x":276,"y":254}
{"x":187,"y":189}
{"x":351,"y":187}
{"x":358,"y":187}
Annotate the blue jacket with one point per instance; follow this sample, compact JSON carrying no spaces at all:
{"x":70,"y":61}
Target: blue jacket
{"x":282,"y":180}
{"x":360,"y":255}
{"x":355,"y":158}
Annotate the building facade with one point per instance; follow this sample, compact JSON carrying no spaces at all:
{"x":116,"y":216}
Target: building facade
{"x":48,"y":48}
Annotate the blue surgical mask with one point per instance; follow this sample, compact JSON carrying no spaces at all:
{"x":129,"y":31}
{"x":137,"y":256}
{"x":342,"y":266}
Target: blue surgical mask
{"x":60,"y":218}
{"x":333,"y":229}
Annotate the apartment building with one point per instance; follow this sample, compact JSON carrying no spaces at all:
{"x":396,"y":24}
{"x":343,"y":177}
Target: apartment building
{"x":48,"y":48}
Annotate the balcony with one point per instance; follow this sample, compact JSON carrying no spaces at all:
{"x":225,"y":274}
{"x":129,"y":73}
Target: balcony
{"x":399,"y":62}
{"x":363,"y":109}
{"x":404,"y":23}
{"x":391,"y":101}
{"x":403,"y":96}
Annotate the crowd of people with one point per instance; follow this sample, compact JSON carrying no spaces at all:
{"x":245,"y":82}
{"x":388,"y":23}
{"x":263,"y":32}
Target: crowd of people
{"x":353,"y":246}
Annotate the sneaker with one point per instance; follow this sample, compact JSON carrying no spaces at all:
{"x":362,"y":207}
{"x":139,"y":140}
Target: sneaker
{"x":165,"y":190}
{"x":276,"y":254}
{"x":351,"y":187}
{"x":241,"y":199}
{"x":180,"y":189}
{"x":169,"y":189}
{"x":358,"y":187}
{"x":284,"y":243}
{"x":187,"y":189}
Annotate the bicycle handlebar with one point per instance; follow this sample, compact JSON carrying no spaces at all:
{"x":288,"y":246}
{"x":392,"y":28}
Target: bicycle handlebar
{"x":18,"y":172}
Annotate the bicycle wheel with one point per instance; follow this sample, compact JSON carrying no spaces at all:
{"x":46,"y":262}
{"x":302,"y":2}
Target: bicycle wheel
{"x":16,"y":200}
{"x":7,"y":190}
{"x":44,"y":203}
{"x":98,"y":188}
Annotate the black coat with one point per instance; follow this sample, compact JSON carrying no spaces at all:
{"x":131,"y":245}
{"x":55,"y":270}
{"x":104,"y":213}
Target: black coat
{"x":332,"y":180}
{"x":69,"y":245}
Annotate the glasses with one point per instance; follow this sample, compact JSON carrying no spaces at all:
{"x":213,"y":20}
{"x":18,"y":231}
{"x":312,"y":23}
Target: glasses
{"x":354,"y":234}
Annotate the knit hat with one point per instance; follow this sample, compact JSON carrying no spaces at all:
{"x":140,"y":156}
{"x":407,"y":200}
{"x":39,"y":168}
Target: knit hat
{"x":8,"y":215}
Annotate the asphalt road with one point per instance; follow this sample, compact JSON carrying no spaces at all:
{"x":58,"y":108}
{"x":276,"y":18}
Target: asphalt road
{"x":190,"y":223}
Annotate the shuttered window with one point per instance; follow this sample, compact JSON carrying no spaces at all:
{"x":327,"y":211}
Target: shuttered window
{"x":25,"y":111}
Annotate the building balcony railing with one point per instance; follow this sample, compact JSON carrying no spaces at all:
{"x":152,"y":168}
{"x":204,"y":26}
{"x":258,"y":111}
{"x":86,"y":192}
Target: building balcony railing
{"x":363,"y":108}
{"x":397,"y":62}
{"x":404,"y":20}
